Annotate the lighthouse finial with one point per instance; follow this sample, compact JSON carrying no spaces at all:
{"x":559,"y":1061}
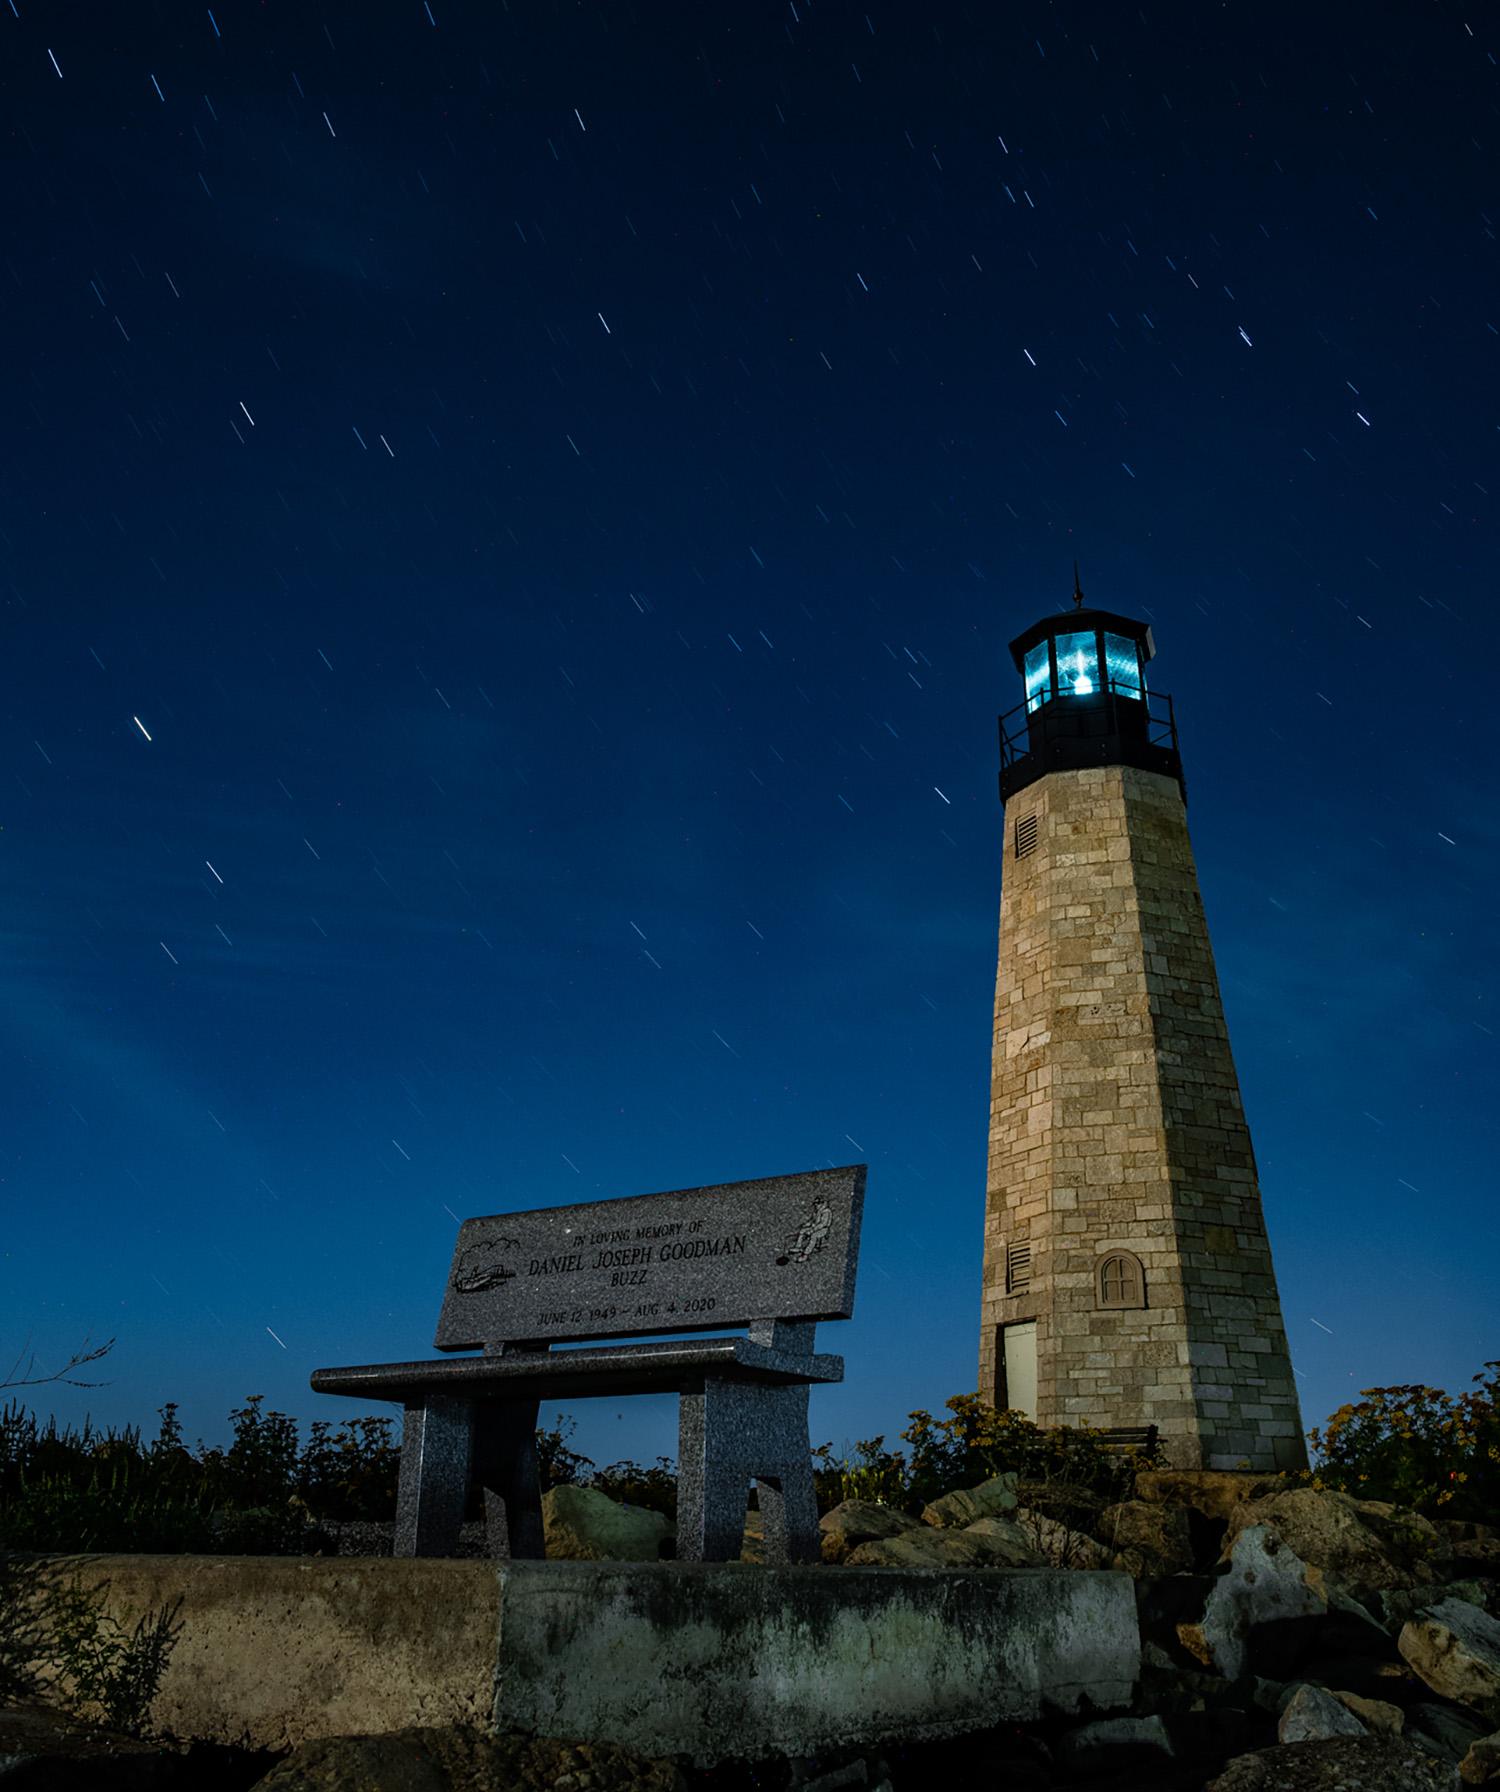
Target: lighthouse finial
{"x":1077,"y":588}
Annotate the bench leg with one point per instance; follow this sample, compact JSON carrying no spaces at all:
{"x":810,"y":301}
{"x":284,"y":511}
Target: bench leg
{"x":788,"y":1501}
{"x":711,"y":1507}
{"x":434,"y":1480}
{"x":713,"y":1484}
{"x":505,"y":1466}
{"x":732,"y":1433}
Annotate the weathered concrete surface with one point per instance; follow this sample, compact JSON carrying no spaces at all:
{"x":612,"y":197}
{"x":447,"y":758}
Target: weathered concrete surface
{"x":713,"y":1661}
{"x":728,"y":1660}
{"x":279,"y":1650}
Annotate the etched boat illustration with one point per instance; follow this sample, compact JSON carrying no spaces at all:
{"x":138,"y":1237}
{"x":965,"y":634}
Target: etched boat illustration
{"x":479,"y":1268}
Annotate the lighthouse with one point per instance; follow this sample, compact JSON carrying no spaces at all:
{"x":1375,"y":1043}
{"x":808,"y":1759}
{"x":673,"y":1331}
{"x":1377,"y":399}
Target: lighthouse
{"x":1127,"y":1271}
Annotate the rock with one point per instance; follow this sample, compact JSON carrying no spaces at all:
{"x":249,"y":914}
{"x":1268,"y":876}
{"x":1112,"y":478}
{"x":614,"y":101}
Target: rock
{"x":1344,"y":1764}
{"x":1312,"y":1715}
{"x":1364,"y":1545}
{"x":915,"y":1549}
{"x":1349,"y":1629}
{"x":1481,"y":1765}
{"x":1478,"y":1555}
{"x":860,"y":1521}
{"x":1262,"y":1614}
{"x":458,"y":1759}
{"x":1213,"y":1492}
{"x":1008,"y":1544}
{"x":1455,"y":1648}
{"x":584,"y":1525}
{"x":989,"y":1543}
{"x":1113,"y":1743}
{"x":1443,"y":1732}
{"x":1165,"y":1688}
{"x":1146,"y":1539}
{"x":955,"y":1511}
{"x":1392,"y":1682}
{"x":1163,"y":1606}
{"x":1461,"y":1530}
{"x":1207,"y":1738}
{"x":753,"y":1542}
{"x":1401,"y":1603}
{"x":1268,"y":1695}
{"x":402,"y":1762}
{"x":51,"y":1751}
{"x":1076,"y":1507}
{"x":1378,"y":1716}
{"x":1058,"y":1546}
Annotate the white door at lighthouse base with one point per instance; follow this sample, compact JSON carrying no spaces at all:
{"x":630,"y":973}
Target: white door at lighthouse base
{"x":1020,"y":1367}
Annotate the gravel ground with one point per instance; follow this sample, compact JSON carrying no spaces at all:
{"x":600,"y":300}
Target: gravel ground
{"x":366,"y":1537}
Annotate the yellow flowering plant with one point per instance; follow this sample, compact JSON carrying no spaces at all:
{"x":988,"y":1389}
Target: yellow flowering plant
{"x":1416,"y":1446}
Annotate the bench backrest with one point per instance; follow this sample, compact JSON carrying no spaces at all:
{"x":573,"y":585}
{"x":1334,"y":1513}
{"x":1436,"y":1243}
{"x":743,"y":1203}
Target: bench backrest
{"x":693,"y":1260}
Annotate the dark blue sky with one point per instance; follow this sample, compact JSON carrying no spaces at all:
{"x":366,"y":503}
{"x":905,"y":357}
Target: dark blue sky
{"x":555,"y":486}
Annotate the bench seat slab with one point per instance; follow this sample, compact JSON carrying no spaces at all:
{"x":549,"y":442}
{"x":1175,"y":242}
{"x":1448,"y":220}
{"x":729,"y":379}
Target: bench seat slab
{"x":675,"y":1366}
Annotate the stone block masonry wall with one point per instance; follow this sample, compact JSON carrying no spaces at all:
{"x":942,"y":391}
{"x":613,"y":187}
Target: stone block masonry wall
{"x":1115,"y":1124}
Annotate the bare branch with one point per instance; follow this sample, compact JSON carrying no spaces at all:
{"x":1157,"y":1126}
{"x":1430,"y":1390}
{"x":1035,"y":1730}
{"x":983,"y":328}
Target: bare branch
{"x":64,"y":1374}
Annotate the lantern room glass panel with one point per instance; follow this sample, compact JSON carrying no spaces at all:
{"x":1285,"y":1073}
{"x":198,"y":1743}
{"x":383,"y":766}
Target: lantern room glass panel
{"x":1038,"y":676}
{"x":1077,"y":665}
{"x":1122,"y":667}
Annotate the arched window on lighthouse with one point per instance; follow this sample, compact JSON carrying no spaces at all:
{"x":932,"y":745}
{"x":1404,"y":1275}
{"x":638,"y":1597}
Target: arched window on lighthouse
{"x":1120,"y":1281}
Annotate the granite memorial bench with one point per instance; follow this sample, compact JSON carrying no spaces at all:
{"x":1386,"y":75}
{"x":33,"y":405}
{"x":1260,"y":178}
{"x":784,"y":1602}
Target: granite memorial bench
{"x":776,"y":1256}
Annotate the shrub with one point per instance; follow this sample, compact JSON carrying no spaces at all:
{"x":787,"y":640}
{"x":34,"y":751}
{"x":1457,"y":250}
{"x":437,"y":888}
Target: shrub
{"x":976,"y":1443}
{"x":260,"y":1466}
{"x":351,"y":1473}
{"x":655,"y":1488}
{"x":1435,"y":1452}
{"x":558,"y":1464}
{"x":872,"y":1473}
{"x":57,"y":1640}
{"x":103,"y":1514}
{"x":25,"y":1586}
{"x":79,"y":1491}
{"x":105,"y":1675}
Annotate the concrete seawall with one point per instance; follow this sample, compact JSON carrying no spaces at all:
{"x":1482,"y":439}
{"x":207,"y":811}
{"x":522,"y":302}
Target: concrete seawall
{"x":709,"y":1661}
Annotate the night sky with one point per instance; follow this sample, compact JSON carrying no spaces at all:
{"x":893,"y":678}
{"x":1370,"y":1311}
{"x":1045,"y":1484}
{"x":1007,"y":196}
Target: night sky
{"x":510,"y":522}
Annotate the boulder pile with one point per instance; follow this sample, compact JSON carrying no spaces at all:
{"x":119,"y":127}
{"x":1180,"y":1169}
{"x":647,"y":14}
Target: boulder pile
{"x":1337,"y":1641}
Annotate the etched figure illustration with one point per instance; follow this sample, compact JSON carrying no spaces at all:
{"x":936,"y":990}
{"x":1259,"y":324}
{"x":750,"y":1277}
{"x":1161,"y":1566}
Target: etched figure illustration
{"x":476,"y":1276}
{"x":812,"y":1234}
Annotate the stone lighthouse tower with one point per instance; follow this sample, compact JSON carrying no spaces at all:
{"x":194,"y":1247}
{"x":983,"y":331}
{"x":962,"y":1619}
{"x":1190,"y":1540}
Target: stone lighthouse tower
{"x":1127,"y":1273}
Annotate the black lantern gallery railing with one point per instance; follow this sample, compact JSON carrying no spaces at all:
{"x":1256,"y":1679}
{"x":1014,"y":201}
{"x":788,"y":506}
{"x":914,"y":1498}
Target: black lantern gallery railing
{"x":1118,"y":724}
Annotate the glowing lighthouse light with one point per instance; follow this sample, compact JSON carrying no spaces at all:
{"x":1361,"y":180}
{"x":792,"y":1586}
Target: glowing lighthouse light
{"x":1078,"y":663}
{"x":1085,"y":653}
